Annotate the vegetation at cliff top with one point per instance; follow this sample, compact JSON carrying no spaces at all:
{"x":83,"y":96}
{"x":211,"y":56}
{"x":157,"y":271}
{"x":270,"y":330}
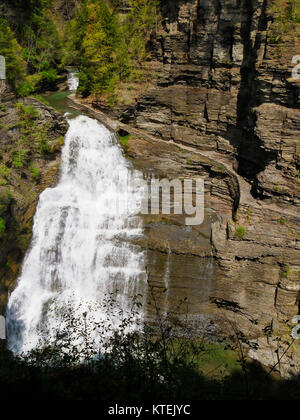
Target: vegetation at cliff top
{"x":108,"y":47}
{"x":11,"y":50}
{"x":36,"y":31}
{"x":32,"y":46}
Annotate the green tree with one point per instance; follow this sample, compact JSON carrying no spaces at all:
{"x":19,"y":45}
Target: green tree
{"x":11,"y":50}
{"x":41,"y":43}
{"x":109,"y":47}
{"x":99,"y":45}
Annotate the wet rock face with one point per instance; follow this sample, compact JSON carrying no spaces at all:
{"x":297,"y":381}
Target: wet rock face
{"x":22,"y":178}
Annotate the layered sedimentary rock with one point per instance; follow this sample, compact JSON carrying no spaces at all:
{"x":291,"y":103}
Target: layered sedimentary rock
{"x":222,"y":105}
{"x":223,"y":87}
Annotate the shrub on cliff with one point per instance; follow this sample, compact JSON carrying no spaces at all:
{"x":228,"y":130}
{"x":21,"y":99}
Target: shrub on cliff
{"x":162,"y":361}
{"x":2,"y":225}
{"x":97,"y":359}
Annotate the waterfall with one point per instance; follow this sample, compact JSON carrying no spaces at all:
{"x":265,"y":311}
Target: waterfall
{"x":83,"y":240}
{"x":73,"y":80}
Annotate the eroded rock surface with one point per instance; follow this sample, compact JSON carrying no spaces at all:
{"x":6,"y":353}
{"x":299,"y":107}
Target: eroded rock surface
{"x":222,"y":88}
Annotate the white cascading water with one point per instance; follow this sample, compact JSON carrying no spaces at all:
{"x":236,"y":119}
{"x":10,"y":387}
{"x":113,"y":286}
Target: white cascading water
{"x":73,"y":81}
{"x":81,"y":249}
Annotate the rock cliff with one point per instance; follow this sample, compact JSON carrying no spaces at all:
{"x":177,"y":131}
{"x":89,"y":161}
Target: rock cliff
{"x":222,"y":86}
{"x":220,"y":102}
{"x":31,"y":135}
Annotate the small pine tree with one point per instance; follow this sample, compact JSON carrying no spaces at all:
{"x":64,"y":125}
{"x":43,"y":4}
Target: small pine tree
{"x":12,"y":52}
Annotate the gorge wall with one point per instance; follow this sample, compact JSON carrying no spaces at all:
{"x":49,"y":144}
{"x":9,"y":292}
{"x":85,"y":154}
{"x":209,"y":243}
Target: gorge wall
{"x":219,"y":102}
{"x":31,"y":136}
{"x":221,"y":85}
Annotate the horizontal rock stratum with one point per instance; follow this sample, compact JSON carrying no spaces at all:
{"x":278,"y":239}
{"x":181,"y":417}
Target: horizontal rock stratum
{"x":221,"y":85}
